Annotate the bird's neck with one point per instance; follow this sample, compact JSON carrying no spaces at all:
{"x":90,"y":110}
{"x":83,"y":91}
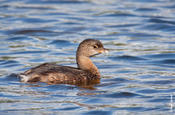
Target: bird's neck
{"x":85,"y":63}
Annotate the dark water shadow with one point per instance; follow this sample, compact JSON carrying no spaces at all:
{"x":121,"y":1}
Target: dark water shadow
{"x":127,"y":58}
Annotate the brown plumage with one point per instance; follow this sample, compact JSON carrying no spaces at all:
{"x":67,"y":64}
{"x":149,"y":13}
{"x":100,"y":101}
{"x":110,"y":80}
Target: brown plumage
{"x":86,"y":72}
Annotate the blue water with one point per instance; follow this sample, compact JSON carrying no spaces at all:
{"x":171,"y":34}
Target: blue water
{"x":138,"y":74}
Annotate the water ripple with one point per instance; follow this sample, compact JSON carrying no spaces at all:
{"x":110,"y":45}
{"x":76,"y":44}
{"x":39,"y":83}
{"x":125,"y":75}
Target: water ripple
{"x":127,"y":58}
{"x":137,"y":74}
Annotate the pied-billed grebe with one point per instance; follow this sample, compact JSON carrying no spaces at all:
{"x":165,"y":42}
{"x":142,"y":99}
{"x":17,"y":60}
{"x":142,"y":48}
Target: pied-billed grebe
{"x":56,"y":74}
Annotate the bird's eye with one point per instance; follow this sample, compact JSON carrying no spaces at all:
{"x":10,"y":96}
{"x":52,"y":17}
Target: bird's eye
{"x":95,"y":46}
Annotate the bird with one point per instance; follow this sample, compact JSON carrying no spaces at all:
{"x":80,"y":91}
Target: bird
{"x":85,"y":72}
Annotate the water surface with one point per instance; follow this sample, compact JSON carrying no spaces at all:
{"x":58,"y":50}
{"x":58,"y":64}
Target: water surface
{"x":138,"y":74}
